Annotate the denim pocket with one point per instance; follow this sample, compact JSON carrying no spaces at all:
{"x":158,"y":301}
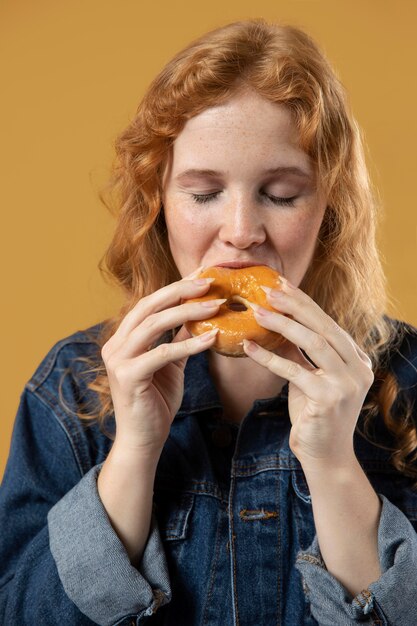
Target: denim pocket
{"x":383,"y":478}
{"x":173,"y":511}
{"x":300,"y":486}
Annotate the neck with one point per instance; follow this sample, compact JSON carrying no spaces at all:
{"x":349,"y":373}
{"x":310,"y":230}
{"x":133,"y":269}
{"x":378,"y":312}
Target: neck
{"x":241,"y":381}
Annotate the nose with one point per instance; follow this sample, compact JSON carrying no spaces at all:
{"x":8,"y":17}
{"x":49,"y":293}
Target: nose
{"x":242,"y":225}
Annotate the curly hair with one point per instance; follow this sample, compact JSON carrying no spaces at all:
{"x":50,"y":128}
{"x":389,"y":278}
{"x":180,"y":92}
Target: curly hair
{"x":284,"y":65}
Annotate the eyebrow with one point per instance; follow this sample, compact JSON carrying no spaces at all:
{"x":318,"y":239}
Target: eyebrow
{"x":200,"y":173}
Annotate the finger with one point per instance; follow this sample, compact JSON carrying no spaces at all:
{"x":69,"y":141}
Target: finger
{"x":155,"y":325}
{"x":307,"y":381}
{"x":182,"y":334}
{"x":363,"y":355}
{"x":154,"y":360}
{"x":163,"y":298}
{"x":309,"y":314}
{"x":294,"y":353}
{"x":315,"y":346}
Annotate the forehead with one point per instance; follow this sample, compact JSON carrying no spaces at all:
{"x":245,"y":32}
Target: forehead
{"x":246,"y":129}
{"x":248,"y":115}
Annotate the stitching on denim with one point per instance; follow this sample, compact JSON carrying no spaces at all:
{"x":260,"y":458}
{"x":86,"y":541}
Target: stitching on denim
{"x":40,"y":376}
{"x":202,"y":407}
{"x":356,"y":599}
{"x":208,"y":488}
{"x":279,"y":545}
{"x":315,"y":560}
{"x":72,"y":436}
{"x":159,"y":597}
{"x":240,"y":464}
{"x":256,"y":515}
{"x":270,"y":462}
{"x":217,"y":544}
{"x":367,"y":595}
{"x":303,"y":540}
{"x":232,"y":551}
{"x":300,"y":487}
{"x":364,"y":593}
{"x":182,"y":510}
{"x":260,"y":469}
{"x":228,"y":543}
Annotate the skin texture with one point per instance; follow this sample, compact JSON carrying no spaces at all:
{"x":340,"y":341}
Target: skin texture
{"x":242,"y":139}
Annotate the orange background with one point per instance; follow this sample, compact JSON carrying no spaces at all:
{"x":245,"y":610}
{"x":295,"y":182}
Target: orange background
{"x":72,"y":75}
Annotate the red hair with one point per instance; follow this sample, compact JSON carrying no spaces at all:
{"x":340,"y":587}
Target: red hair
{"x":285,"y":66}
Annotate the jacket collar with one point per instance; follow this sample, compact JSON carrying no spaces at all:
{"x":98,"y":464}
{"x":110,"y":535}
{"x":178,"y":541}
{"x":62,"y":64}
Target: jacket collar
{"x":200,"y":392}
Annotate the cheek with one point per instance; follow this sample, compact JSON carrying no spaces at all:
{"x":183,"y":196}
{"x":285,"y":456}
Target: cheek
{"x":185,"y":226}
{"x":188,"y":237}
{"x":298,"y":240}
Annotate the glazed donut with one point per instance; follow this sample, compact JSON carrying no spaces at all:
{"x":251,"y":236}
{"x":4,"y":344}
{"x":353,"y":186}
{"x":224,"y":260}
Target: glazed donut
{"x":235,"y":319}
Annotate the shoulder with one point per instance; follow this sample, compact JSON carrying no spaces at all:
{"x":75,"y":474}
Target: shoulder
{"x":68,"y":352}
{"x":60,"y":383}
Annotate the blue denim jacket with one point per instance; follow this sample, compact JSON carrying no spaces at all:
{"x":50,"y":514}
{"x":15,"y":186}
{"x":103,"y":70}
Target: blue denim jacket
{"x":232,"y":540}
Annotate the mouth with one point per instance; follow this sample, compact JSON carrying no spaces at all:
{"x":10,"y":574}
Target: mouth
{"x":238,"y":264}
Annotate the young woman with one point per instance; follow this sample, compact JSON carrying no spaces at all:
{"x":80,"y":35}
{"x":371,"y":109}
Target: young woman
{"x":153,"y":480}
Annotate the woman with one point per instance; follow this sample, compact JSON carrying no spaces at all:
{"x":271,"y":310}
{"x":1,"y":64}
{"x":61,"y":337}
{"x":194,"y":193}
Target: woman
{"x":151,"y":479}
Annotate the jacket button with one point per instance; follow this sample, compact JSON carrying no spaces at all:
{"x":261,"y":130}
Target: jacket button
{"x":221,"y":436}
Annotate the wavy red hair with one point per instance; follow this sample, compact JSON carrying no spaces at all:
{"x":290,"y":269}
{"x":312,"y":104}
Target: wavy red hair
{"x":284,"y":65}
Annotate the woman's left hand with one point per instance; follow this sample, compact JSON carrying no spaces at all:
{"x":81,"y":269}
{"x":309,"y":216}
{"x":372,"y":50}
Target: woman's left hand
{"x":324,"y":402}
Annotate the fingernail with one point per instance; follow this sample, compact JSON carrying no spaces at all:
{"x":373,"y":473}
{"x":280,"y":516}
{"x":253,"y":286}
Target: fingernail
{"x":250,"y":345}
{"x":203,"y":281}
{"x":272,"y":293}
{"x":213,"y":303}
{"x":208,"y":335}
{"x":259,"y":309}
{"x":286,"y":283}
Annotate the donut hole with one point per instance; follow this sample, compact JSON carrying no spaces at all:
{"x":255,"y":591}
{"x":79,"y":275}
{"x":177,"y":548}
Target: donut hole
{"x":236,"y":304}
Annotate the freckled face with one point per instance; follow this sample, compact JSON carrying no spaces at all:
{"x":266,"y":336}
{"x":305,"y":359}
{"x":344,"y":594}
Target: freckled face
{"x":238,"y":187}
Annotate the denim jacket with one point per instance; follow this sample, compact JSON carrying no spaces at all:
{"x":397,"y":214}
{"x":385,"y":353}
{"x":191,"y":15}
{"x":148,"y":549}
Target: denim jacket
{"x":232,"y":539}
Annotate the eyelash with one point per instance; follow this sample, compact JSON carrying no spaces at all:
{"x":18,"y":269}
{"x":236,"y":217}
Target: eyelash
{"x":206,"y":197}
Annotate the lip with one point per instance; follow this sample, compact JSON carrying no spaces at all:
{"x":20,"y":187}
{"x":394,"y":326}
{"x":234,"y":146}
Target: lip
{"x":238,"y":264}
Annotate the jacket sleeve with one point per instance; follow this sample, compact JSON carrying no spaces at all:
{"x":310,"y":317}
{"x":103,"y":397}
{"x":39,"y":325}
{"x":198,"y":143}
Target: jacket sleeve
{"x":61,"y":561}
{"x":390,"y":600}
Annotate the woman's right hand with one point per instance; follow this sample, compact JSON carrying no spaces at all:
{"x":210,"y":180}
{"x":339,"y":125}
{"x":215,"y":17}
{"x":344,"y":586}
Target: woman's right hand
{"x":146,"y":382}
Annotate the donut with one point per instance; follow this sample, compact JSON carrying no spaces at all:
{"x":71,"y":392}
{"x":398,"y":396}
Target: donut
{"x":235,"y":318}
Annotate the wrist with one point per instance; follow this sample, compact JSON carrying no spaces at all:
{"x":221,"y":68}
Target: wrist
{"x":340,"y":481}
{"x":124,"y":454}
{"x":339,"y":469}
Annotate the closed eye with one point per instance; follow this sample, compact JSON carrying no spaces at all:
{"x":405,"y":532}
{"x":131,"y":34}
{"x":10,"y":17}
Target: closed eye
{"x":282,"y":201}
{"x":201,"y":198}
{"x":204,"y":197}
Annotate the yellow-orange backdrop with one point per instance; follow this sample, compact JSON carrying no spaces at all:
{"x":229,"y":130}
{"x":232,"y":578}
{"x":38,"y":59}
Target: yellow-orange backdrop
{"x":72,"y":74}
